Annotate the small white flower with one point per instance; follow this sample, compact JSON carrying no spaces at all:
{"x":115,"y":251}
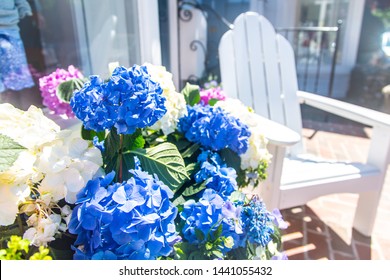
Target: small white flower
{"x":175,"y":102}
{"x":229,"y":242}
{"x":42,"y":230}
{"x":257,"y":150}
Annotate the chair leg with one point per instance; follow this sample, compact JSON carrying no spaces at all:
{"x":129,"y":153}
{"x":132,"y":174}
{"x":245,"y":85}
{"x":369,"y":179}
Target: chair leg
{"x":270,"y":188}
{"x":366,"y":211}
{"x":379,"y":155}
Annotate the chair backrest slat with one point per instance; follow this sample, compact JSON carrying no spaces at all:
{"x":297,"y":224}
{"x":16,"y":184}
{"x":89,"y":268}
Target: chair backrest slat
{"x":258,"y":67}
{"x":289,"y":88}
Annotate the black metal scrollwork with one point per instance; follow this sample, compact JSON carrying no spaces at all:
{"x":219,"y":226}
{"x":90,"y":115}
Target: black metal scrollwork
{"x":194,"y":46}
{"x":185,"y":15}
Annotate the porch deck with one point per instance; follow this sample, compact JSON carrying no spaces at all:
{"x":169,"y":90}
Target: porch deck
{"x":322,"y":229}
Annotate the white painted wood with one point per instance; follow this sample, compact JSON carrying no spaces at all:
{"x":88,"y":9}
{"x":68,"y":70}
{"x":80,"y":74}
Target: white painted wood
{"x":241,"y":64}
{"x":272,"y":73}
{"x":256,"y":66}
{"x":173,"y":42}
{"x":193,"y":41}
{"x":289,"y":88}
{"x":270,"y":194}
{"x":276,"y":133}
{"x":351,"y":35}
{"x":300,"y":170}
{"x":350,"y":111}
{"x":149,"y":31}
{"x":378,"y":155}
{"x":228,"y":75}
{"x":294,"y":180}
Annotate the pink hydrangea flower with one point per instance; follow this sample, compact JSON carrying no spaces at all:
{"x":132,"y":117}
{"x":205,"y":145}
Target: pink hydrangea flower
{"x":212,"y":93}
{"x":48,"y":86}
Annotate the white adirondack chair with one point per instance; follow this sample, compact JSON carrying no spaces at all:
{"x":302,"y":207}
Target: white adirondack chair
{"x":258,"y":67}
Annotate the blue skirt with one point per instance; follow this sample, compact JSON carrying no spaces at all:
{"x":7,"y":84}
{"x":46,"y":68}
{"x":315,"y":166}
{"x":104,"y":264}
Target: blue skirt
{"x":14,"y":71}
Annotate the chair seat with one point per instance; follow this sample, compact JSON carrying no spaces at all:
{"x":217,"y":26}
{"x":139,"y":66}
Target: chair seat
{"x":308,"y":169}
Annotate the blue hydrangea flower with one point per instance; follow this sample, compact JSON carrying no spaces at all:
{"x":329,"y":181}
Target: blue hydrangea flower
{"x":214,"y":129}
{"x":129,"y":100}
{"x":216,"y":174}
{"x":90,"y":106}
{"x":278,"y":220}
{"x":98,"y":144}
{"x":257,"y":222}
{"x":132,"y":220}
{"x":207,"y":215}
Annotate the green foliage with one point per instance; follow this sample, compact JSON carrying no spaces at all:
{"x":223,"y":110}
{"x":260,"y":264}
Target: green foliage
{"x":191,"y":94}
{"x":18,"y":249}
{"x":66,"y":89}
{"x":43,"y":254}
{"x":213,"y":101}
{"x":87,"y":134}
{"x":384,"y":15}
{"x":9,"y":152}
{"x":165,"y":161}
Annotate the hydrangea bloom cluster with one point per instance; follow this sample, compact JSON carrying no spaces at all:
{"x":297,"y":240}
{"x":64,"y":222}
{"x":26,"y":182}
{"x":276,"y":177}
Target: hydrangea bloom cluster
{"x":207,"y":215}
{"x":257,"y":222}
{"x":215,"y":129}
{"x":212,"y":93}
{"x":43,"y":228}
{"x":55,"y":165}
{"x":175,"y":102}
{"x":129,"y":100}
{"x":131,"y":220}
{"x":217,"y":175}
{"x":48,"y":87}
{"x":65,"y":165}
{"x":257,"y":148}
{"x":31,"y":129}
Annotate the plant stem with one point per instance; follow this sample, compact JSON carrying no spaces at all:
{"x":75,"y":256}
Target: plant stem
{"x":120,"y":175}
{"x":20,"y":224}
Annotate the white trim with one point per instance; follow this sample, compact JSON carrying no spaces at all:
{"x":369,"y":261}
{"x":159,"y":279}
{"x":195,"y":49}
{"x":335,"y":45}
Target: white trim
{"x":80,"y":31}
{"x":173,"y":41}
{"x":149,"y":31}
{"x":352,"y":32}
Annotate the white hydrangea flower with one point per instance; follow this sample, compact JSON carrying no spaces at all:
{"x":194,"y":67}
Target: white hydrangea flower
{"x":42,"y":229}
{"x":66,"y":165}
{"x":175,"y":102}
{"x":257,"y":149}
{"x":260,"y":253}
{"x":29,"y":128}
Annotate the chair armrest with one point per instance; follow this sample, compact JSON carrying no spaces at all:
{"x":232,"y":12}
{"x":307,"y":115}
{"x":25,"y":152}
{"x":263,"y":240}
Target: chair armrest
{"x":277,"y":134}
{"x":353,"y":112}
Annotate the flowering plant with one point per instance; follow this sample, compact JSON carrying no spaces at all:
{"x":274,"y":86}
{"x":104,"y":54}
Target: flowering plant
{"x":155,"y":174}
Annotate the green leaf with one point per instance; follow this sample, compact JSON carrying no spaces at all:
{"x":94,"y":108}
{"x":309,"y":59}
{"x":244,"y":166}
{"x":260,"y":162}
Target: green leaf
{"x":190,"y":151}
{"x":199,"y":234}
{"x":111,"y":146}
{"x":66,"y":89}
{"x":191,"y":94}
{"x":213,"y":101}
{"x":134,"y":141}
{"x":218,"y":232}
{"x":179,"y":200}
{"x":194,"y":189}
{"x":165,"y":161}
{"x":127,"y":164}
{"x":87,"y":134}
{"x":231,"y":158}
{"x":192,"y":168}
{"x":218,"y":254}
{"x":9,"y":152}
